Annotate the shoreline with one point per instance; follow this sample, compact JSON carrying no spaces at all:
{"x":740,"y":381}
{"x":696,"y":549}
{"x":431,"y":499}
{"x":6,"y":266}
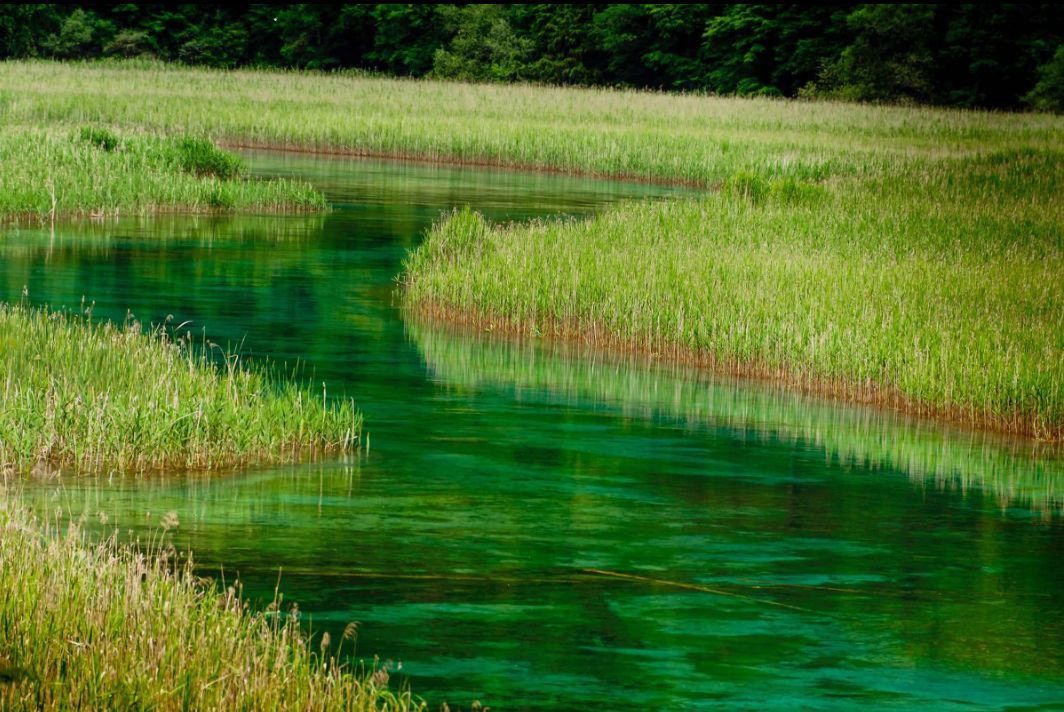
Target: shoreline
{"x":834,"y":389}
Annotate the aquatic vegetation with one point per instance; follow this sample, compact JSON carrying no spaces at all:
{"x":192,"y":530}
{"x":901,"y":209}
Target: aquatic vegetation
{"x":1014,"y":472}
{"x":50,"y":172}
{"x":95,"y":397}
{"x":936,"y":289}
{"x":690,"y":138}
{"x":103,"y":625}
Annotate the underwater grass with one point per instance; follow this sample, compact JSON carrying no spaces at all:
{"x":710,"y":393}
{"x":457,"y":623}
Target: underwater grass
{"x":107,"y":626}
{"x":57,"y":172}
{"x":95,"y":398}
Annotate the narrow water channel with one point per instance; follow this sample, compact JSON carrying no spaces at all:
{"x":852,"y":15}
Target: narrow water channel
{"x":541,"y":529}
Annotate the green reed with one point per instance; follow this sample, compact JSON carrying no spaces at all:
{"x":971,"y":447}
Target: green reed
{"x":94,"y":398}
{"x":929,"y":287}
{"x":57,"y":172}
{"x":107,"y":626}
{"x":911,"y":252}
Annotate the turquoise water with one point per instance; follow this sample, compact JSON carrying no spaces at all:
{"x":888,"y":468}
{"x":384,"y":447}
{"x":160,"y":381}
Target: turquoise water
{"x":535,"y":527}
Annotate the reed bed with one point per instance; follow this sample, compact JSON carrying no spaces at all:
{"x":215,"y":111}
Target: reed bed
{"x":652,"y":136}
{"x":107,"y":626}
{"x":83,"y":397}
{"x":93,"y":171}
{"x":937,"y":289}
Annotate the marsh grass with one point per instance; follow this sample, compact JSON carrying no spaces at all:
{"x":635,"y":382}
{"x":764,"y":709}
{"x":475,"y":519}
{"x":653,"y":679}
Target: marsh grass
{"x":89,"y":397}
{"x":937,"y":290}
{"x":107,"y":626}
{"x":647,"y":135}
{"x":904,"y":253}
{"x":94,"y":170}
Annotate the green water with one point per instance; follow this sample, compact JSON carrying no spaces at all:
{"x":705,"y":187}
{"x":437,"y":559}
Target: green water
{"x":537,"y":528}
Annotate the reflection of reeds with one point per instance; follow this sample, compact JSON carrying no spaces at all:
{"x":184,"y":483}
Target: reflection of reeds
{"x":99,"y":398}
{"x":106,"y":626}
{"x":1016,"y":472}
{"x":98,"y":237}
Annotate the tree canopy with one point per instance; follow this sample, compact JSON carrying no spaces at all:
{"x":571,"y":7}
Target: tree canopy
{"x":973,"y":55}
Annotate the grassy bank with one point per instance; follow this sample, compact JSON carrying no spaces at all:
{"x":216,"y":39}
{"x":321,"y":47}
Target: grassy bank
{"x":93,"y":170}
{"x":86,"y":397}
{"x":104,"y":626}
{"x":937,"y":290}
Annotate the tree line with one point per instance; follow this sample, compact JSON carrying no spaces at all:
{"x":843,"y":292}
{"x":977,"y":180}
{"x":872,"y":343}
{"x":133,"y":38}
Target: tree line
{"x":968,"y":55}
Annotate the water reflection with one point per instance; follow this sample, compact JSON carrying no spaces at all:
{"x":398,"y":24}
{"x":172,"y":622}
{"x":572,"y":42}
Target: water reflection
{"x":1016,"y":472}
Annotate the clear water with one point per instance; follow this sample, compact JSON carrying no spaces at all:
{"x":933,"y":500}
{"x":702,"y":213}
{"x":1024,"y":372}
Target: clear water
{"x":537,"y":528}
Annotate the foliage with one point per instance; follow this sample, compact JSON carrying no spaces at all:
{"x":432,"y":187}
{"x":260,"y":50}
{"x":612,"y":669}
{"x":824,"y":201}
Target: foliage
{"x":975,"y":55}
{"x":484,"y":47}
{"x":1048,"y":94}
{"x":890,"y":58}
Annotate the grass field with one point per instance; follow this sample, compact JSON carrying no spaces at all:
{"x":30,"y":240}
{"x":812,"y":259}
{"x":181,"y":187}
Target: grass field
{"x":97,"y":398}
{"x":109,"y":626}
{"x":907,"y":255}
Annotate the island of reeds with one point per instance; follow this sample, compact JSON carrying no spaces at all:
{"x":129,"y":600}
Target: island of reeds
{"x":92,"y":397}
{"x":88,"y":170}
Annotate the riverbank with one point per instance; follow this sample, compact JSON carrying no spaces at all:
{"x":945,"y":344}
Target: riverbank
{"x":104,"y":625}
{"x":935,"y":293}
{"x":85,"y":397}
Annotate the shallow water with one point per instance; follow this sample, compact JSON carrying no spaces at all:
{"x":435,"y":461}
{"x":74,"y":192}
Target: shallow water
{"x":537,"y":528}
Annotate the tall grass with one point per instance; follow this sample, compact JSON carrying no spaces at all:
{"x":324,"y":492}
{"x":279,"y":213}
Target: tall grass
{"x":52,"y":171}
{"x":944,"y":299}
{"x":104,"y":626}
{"x":86,"y":397}
{"x":648,"y":135}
